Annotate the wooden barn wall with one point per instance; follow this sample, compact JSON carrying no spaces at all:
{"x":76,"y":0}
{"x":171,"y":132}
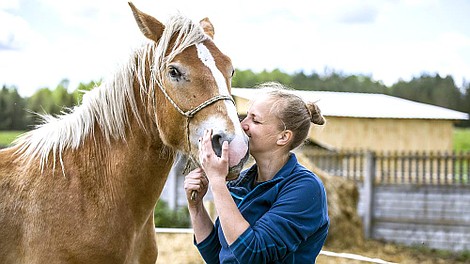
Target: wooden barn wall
{"x":242,"y":105}
{"x":385,"y":134}
{"x":431,"y":216}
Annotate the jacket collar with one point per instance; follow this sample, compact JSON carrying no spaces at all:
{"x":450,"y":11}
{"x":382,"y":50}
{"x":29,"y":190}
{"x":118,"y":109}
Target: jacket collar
{"x":249,"y":174}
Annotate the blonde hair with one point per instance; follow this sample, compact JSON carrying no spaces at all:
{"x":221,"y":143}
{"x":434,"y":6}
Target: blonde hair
{"x":295,"y":114}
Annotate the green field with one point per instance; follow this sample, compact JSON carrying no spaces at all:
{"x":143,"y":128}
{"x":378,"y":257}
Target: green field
{"x":6,"y":137}
{"x":462,"y":139}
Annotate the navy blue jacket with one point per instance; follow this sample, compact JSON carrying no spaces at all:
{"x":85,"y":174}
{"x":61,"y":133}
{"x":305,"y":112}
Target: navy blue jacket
{"x":288,"y":218}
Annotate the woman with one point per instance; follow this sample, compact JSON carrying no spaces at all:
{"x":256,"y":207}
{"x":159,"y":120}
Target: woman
{"x":276,"y":211}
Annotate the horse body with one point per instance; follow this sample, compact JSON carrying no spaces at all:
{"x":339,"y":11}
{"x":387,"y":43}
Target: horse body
{"x":82,"y":217}
{"x":82,"y":187}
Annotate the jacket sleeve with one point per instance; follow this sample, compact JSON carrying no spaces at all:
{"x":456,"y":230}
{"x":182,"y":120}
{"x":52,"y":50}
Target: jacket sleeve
{"x":297,"y":213}
{"x":210,"y":247}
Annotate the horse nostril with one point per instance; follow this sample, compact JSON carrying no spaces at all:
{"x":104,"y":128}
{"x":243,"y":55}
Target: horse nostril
{"x":217,"y":141}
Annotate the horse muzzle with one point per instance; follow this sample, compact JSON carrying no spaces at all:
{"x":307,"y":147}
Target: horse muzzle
{"x":238,"y":151}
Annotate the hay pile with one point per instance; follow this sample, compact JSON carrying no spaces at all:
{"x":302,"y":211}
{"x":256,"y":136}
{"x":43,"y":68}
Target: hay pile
{"x":345,"y":224}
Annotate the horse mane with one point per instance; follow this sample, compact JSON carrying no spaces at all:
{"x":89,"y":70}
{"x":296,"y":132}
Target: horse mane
{"x":106,"y":105}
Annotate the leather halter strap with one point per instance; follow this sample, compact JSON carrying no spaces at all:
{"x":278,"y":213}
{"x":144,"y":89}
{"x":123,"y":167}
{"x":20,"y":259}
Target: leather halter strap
{"x":189,"y":114}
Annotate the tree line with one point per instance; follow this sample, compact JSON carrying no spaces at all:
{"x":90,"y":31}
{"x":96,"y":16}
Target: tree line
{"x":20,"y":113}
{"x":428,"y":88}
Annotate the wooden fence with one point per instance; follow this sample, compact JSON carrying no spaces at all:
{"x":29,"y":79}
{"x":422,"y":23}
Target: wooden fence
{"x":413,"y":198}
{"x":417,"y":168}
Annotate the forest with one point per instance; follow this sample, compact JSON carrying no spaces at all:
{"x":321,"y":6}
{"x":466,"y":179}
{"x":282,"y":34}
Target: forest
{"x":20,"y":113}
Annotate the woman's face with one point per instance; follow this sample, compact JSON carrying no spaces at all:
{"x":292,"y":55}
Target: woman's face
{"x":261,"y":126}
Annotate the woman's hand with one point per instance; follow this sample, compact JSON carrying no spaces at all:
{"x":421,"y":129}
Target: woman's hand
{"x":195,"y":181}
{"x":215,"y":168}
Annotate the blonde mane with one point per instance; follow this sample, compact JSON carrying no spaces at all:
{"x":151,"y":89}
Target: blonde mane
{"x":106,"y":105}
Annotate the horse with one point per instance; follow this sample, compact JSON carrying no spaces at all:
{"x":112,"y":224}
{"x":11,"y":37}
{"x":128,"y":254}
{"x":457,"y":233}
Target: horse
{"x":82,"y":186}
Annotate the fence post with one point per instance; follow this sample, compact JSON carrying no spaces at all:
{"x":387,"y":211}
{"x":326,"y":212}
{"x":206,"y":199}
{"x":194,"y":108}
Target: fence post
{"x":369,"y":175}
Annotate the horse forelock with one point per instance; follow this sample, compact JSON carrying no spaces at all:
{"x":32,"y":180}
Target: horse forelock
{"x":106,"y":105}
{"x":185,"y":33}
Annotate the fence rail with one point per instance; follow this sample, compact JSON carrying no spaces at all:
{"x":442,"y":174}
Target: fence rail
{"x":415,"y":168}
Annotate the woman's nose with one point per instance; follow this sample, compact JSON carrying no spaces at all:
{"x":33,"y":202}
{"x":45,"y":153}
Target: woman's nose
{"x":244,"y":125}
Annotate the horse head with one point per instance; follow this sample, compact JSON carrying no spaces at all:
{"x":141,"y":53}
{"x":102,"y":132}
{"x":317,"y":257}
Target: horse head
{"x":188,"y":88}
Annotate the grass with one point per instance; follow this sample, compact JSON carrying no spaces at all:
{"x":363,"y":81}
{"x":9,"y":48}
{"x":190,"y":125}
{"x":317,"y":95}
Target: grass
{"x":6,"y":137}
{"x":458,"y":257}
{"x":462,"y":139}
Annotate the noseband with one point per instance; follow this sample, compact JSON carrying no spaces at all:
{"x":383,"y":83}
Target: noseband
{"x":189,"y":114}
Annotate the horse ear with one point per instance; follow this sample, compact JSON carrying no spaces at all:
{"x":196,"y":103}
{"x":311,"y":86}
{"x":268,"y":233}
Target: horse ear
{"x":207,"y":27}
{"x":150,"y":27}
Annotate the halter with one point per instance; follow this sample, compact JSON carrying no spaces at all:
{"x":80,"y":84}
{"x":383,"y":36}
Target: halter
{"x":189,"y":114}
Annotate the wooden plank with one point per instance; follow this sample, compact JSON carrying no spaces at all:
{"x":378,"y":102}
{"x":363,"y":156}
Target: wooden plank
{"x":422,"y":221}
{"x":433,"y":216}
{"x":444,"y":237}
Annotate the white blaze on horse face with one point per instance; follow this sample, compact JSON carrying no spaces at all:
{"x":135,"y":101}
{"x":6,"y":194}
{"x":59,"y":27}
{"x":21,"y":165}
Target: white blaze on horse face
{"x":239,"y":144}
{"x":206,"y":57}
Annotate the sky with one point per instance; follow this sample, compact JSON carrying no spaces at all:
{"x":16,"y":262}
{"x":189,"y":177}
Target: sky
{"x":43,"y":42}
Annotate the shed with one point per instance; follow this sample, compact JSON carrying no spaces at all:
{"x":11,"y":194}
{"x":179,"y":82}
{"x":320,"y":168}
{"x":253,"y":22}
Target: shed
{"x":373,"y":121}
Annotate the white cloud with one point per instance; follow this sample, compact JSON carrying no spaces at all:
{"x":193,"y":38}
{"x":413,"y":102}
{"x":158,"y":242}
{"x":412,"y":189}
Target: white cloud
{"x":9,"y":4}
{"x":15,"y":33}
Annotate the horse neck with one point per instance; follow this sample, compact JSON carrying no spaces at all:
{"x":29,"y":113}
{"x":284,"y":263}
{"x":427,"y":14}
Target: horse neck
{"x":137,"y":165}
{"x":134,"y":169}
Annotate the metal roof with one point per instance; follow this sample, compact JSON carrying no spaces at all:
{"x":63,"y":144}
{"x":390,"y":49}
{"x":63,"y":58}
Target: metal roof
{"x":366,"y":105}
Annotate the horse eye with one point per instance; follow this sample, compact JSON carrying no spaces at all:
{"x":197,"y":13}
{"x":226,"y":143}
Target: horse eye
{"x":174,"y":73}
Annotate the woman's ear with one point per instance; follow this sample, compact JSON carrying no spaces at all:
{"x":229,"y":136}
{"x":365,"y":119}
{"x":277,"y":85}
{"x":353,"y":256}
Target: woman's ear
{"x":284,"y":137}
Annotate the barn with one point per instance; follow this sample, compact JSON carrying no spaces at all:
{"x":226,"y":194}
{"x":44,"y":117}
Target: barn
{"x":375,"y":122}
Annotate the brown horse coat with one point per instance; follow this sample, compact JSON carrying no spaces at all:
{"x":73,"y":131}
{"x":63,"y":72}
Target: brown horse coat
{"x":82,"y":187}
